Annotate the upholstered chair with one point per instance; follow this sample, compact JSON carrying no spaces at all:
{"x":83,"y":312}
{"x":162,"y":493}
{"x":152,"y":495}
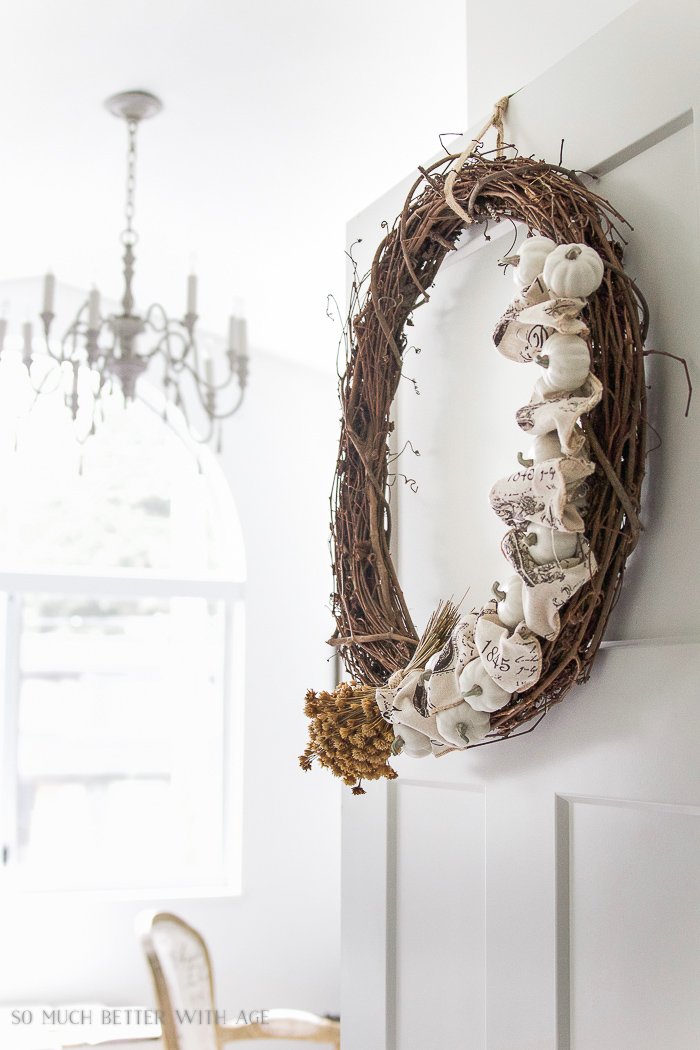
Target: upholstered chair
{"x":182,"y":975}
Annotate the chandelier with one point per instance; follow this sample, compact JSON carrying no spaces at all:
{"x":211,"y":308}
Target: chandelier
{"x":121,"y":346}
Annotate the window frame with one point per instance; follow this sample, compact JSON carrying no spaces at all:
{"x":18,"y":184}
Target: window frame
{"x":127,"y":584}
{"x":226,"y":584}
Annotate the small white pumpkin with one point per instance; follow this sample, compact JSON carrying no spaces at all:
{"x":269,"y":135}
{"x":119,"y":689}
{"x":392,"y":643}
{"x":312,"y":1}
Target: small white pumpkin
{"x":545,"y":446}
{"x":462,"y":725}
{"x":549,"y":544}
{"x":410,"y":742}
{"x":573,"y":271}
{"x":530,"y":259}
{"x":510,"y":602}
{"x":479,"y":689}
{"x":566,"y":360}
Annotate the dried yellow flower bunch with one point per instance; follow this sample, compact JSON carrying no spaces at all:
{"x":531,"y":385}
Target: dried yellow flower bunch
{"x":348,"y":735}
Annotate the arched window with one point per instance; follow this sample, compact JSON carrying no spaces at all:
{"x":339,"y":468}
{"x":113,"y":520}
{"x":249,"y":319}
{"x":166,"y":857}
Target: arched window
{"x":121,"y":580}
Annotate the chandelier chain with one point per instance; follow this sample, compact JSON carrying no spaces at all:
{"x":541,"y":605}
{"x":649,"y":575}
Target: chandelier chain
{"x":130,"y":182}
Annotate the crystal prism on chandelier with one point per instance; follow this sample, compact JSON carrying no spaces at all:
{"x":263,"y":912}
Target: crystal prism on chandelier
{"x":111,"y":347}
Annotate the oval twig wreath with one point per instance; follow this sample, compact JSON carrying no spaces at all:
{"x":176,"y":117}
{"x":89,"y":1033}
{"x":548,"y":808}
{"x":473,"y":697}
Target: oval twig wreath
{"x":353,"y":730}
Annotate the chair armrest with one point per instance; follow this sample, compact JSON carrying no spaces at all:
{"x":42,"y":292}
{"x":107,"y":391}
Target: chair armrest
{"x":283,"y":1024}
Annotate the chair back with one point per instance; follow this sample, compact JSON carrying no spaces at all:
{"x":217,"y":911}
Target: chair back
{"x":181,"y":972}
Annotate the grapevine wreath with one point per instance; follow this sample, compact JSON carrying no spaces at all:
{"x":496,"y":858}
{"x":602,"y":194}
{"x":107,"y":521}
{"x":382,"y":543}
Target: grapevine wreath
{"x":572,"y":507}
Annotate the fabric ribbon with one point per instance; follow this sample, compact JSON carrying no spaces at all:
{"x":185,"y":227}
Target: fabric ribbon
{"x":547,"y":587}
{"x":514,"y":660}
{"x":521,"y":342}
{"x":560,"y":410}
{"x":422,"y":695}
{"x":541,"y":494}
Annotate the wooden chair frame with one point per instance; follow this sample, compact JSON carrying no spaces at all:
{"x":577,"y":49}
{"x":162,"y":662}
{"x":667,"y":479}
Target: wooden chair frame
{"x":297,"y":1023}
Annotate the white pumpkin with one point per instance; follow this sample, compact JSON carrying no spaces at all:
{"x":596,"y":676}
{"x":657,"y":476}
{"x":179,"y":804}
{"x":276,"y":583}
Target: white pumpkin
{"x":462,"y":725}
{"x":566,"y":360}
{"x":573,"y":271}
{"x":410,"y":742}
{"x":545,"y":446}
{"x":549,"y":544}
{"x":479,"y":689}
{"x":530,"y":259}
{"x":510,"y":605}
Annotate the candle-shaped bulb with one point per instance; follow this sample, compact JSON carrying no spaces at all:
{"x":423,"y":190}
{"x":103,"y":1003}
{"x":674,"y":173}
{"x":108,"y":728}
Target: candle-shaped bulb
{"x":237,"y":335}
{"x":192,"y":294}
{"x":49,"y":288}
{"x":27,"y":334}
{"x":242,"y":362}
{"x":94,"y":310}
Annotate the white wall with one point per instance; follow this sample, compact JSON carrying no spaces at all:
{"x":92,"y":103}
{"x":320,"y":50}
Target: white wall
{"x":510,"y":43}
{"x":277,"y":944}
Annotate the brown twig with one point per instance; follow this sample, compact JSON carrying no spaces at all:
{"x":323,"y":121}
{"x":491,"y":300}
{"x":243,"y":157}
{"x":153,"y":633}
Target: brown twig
{"x":362,"y":639}
{"x":674,"y":357}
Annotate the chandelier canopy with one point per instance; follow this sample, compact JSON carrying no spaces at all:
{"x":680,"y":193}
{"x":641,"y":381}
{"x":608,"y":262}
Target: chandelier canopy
{"x":121,"y":346}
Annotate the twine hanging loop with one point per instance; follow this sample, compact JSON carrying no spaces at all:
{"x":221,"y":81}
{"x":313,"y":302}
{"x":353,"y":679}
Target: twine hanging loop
{"x":495,"y":121}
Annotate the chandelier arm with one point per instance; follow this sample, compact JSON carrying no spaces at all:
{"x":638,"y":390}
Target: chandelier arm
{"x":181,"y":364}
{"x":216,"y":388}
{"x":71,"y":333}
{"x":180,"y":405}
{"x":47,"y":344}
{"x":185,"y":366}
{"x":163,"y":345}
{"x":186,"y":342}
{"x":231,"y":412}
{"x":149,"y":320}
{"x":219,"y":387}
{"x":50,"y":353}
{"x":208,"y":405}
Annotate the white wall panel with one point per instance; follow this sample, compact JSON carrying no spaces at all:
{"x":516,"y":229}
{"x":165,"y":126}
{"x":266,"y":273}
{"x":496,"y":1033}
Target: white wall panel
{"x":463,"y":425}
{"x":509,"y":44}
{"x":634,"y":925}
{"x":440,"y":949}
{"x":663,"y":258}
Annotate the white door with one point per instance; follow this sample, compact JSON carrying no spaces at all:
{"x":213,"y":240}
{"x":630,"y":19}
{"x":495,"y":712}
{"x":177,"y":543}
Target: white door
{"x":542,"y":892}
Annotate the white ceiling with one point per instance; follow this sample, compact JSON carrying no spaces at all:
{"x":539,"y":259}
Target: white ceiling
{"x":281,"y":121}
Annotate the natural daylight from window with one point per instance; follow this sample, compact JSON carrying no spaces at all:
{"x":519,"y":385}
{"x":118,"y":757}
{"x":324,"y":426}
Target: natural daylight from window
{"x":121,"y":571}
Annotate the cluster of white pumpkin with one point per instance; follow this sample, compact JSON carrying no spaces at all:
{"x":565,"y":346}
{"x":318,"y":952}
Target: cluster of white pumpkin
{"x":571,"y":271}
{"x":558,"y":274}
